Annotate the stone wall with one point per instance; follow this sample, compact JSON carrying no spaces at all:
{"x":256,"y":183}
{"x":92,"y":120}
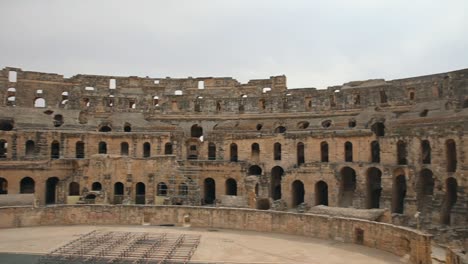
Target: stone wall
{"x":397,"y":240}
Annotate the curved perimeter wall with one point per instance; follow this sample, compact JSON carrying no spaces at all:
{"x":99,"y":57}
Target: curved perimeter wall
{"x":397,"y":240}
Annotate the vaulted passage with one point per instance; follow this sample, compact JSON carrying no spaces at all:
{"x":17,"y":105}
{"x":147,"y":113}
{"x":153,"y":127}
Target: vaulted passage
{"x":451,"y":188}
{"x":347,"y":187}
{"x":297,"y":193}
{"x":276,"y":176}
{"x":118,"y":192}
{"x":233,"y":152}
{"x":375,"y":152}
{"x":324,"y":151}
{"x":402,"y":153}
{"x":426,"y":152}
{"x":209,"y":189}
{"x":96,"y":186}
{"x":379,"y":129}
{"x":55,"y":150}
{"x":140,"y":193}
{"x":231,"y":187}
{"x":321,"y":193}
{"x":255,"y":170}
{"x":373,"y":188}
{"x":3,"y":186}
{"x":451,"y":153}
{"x":27,"y":185}
{"x":300,"y":153}
{"x":51,"y":190}
{"x":74,"y":189}
{"x":398,"y":194}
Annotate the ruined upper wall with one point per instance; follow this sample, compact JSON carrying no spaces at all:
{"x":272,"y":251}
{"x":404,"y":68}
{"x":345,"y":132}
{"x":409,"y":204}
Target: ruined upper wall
{"x":219,"y":95}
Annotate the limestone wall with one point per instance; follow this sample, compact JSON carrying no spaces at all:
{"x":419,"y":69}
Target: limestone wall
{"x":397,"y":240}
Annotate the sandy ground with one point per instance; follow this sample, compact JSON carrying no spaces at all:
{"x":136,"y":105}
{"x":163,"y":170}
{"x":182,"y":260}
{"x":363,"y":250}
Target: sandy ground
{"x":219,"y":245}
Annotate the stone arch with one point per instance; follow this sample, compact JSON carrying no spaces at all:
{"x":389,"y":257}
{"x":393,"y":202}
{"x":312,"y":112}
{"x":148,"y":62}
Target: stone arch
{"x":118,"y":192}
{"x":96,"y":186}
{"x":6,"y":125}
{"x":168,"y":149}
{"x":276,"y":176}
{"x":451,"y":188}
{"x":74,"y":189}
{"x":30,"y":148}
{"x":300,"y":153}
{"x":196,"y":131}
{"x":51,"y":190}
{"x":3,"y":186}
{"x":140,"y":193}
{"x":124,"y":149}
{"x":402,"y":153}
{"x":378,"y":128}
{"x":277,"y":151}
{"x":297,"y":193}
{"x":347,"y":186}
{"x":211,"y":151}
{"x":321,"y":193}
{"x":209,"y":190}
{"x":146,"y":150}
{"x":80,"y":150}
{"x":231,"y":187}
{"x":127,"y":127}
{"x":324,"y":151}
{"x":375,"y":152}
{"x":162,"y":189}
{"x":398,"y":194}
{"x":27,"y":185}
{"x":348,"y":149}
{"x":255,"y":170}
{"x":255,"y":150}
{"x":280,"y":129}
{"x":233,"y":152}
{"x":451,"y":155}
{"x":105,"y":128}
{"x":373,"y":188}
{"x":426,"y":151}
{"x":102,"y":147}
{"x":55,"y":150}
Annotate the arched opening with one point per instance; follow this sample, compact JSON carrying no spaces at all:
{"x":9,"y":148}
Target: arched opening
{"x":55,"y":150}
{"x":231,"y":187}
{"x":6,"y":125}
{"x":402,"y":153}
{"x":105,"y":129}
{"x":449,"y":201}
{"x":3,"y":149}
{"x":347,"y":187}
{"x":146,"y":150}
{"x":3,"y":186}
{"x":255,"y":170}
{"x":79,"y":150}
{"x":183,"y":189}
{"x":424,"y":189}
{"x":39,"y":102}
{"x":209,"y":189}
{"x":168,"y":148}
{"x":451,"y":152}
{"x":298,"y":193}
{"x":326,"y":123}
{"x":196,"y":131}
{"x":211,"y":151}
{"x":74,"y":189}
{"x":127,"y":127}
{"x":27,"y":185}
{"x":255,"y":151}
{"x":374,"y":188}
{"x":398,"y":194}
{"x":162,"y":189}
{"x":102,"y":148}
{"x":277,"y":151}
{"x":348,"y":148}
{"x":352,"y":123}
{"x":379,"y":129}
{"x":324,"y":151}
{"x":124,"y":149}
{"x":426,"y":152}
{"x":90,"y":198}
{"x":51,"y":190}
{"x":375,"y":152}
{"x":140,"y":193}
{"x":96,"y":186}
{"x":321,"y":193}
{"x":118,"y":192}
{"x":30,"y":146}
{"x":263,"y":204}
{"x":276,"y":176}
{"x":58,"y":120}
{"x":192,"y":153}
{"x":280,"y":129}
{"x":233,"y":152}
{"x":303,"y":125}
{"x":300,"y":153}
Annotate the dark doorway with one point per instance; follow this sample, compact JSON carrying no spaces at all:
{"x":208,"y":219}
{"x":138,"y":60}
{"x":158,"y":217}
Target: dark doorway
{"x":96,"y":186}
{"x":277,"y":151}
{"x":263,"y":204}
{"x":211,"y":151}
{"x":168,"y":149}
{"x":140,"y":193}
{"x":402,"y":153}
{"x":255,"y":151}
{"x":146,"y":150}
{"x":255,"y":170}
{"x":79,"y":150}
{"x":27,"y":185}
{"x":399,"y":194}
{"x":324,"y":151}
{"x":102,"y":148}
{"x":374,"y":188}
{"x":379,"y":129}
{"x":74,"y":189}
{"x":209,"y":188}
{"x":321,"y":193}
{"x":348,"y":151}
{"x":124,"y":149}
{"x":347,"y":187}
{"x":426,"y":152}
{"x":276,"y":176}
{"x":3,"y":186}
{"x":118,"y":193}
{"x":298,"y":193}
{"x":231,"y":187}
{"x":375,"y":152}
{"x":196,"y":131}
{"x":30,"y":146}
{"x":51,"y":190}
{"x":451,"y":149}
{"x":300,"y":153}
{"x":449,"y":201}
{"x":55,"y":150}
{"x":233,"y":152}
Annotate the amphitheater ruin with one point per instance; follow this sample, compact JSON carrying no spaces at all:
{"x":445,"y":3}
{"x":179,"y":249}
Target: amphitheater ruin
{"x":381,"y":164}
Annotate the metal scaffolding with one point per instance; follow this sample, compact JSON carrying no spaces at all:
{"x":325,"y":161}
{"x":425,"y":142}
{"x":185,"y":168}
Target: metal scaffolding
{"x":125,"y":247}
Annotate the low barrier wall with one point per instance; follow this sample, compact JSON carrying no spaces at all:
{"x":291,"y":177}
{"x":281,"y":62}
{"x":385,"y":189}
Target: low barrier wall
{"x":397,"y":240}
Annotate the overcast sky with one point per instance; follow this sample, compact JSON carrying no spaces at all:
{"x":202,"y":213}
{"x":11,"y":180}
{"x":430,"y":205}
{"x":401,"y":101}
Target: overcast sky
{"x":314,"y":43}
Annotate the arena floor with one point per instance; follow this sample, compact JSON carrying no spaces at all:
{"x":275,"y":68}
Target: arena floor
{"x":216,"y":245}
